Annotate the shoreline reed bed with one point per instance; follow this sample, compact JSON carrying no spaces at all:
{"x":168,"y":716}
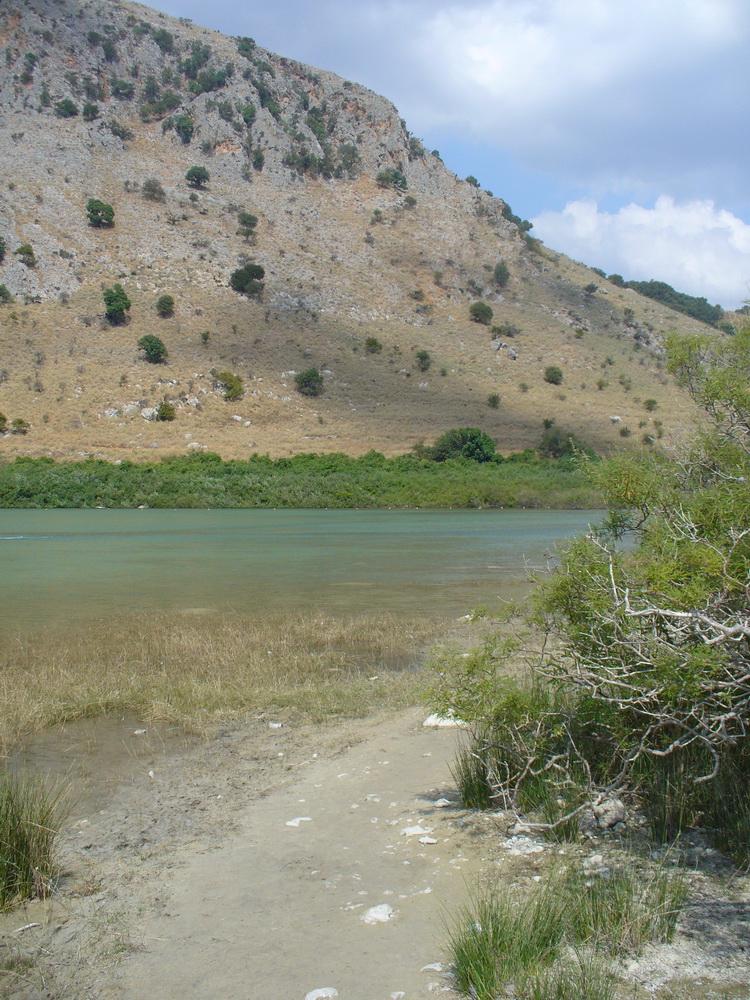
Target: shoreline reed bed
{"x":196,"y":670}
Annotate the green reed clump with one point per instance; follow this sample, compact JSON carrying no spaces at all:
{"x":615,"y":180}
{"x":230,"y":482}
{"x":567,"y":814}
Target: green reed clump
{"x":30,"y":818}
{"x":504,"y":943}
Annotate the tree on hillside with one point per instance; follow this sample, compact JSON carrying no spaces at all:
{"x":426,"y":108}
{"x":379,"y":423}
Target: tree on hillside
{"x":197,"y":177}
{"x":100,"y":214}
{"x":248,"y":280}
{"x":165,"y":306}
{"x":309,"y":382}
{"x":153,"y":349}
{"x":116,"y":304}
{"x":480,"y":312}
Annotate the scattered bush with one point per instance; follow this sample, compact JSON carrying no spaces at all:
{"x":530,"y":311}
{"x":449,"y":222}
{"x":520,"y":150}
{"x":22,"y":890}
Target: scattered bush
{"x":165,"y":306}
{"x":165,"y":411}
{"x":373,"y":345}
{"x":197,"y":176}
{"x":463,"y":442}
{"x":66,"y":108}
{"x":3,"y":247}
{"x":247,"y":223}
{"x":248,"y":280}
{"x":19,"y":426}
{"x":480,"y":312}
{"x":501,"y":274}
{"x":309,"y":382}
{"x":90,"y":111}
{"x":493,"y":401}
{"x":5,"y":296}
{"x":3,"y":423}
{"x":153,"y":349}
{"x":650,"y":404}
{"x":505,"y":330}
{"x":152,"y":190}
{"x":119,"y":130}
{"x":391,"y":178}
{"x":424,"y":360}
{"x":26,"y":254}
{"x":557,"y":443}
{"x":116,"y":304}
{"x":100,"y":214}
{"x":164,"y":39}
{"x":123,"y":90}
{"x":231,"y":385}
{"x":553,"y":375}
{"x":184,"y":126}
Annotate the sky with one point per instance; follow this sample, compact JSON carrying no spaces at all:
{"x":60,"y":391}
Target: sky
{"x":618,"y":127}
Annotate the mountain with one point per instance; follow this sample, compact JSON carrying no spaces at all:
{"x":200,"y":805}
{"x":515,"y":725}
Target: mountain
{"x":372,"y":253}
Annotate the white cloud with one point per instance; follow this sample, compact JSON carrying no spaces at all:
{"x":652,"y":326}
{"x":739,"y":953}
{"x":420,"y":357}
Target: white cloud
{"x":694,"y":246}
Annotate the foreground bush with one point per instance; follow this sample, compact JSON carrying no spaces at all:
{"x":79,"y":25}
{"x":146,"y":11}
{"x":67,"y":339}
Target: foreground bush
{"x":641,"y":680}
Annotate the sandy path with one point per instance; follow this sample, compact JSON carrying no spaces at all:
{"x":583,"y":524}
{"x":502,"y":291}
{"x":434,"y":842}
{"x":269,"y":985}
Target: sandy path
{"x":277,"y":910}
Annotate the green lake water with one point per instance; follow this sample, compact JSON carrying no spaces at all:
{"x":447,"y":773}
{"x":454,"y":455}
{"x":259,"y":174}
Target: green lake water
{"x":75,"y":565}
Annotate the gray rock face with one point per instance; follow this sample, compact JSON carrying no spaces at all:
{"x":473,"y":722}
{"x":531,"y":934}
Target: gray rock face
{"x":609,"y":813}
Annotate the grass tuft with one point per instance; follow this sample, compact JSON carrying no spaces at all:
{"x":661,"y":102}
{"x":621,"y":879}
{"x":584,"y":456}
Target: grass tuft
{"x":30,"y":818}
{"x":503,"y":943}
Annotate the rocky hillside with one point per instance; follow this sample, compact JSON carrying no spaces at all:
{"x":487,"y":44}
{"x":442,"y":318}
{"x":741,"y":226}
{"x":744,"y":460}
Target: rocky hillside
{"x":373,"y":255}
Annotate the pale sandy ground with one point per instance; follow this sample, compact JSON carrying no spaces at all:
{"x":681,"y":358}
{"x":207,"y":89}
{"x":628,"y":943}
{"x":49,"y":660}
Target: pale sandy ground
{"x":241,"y":869}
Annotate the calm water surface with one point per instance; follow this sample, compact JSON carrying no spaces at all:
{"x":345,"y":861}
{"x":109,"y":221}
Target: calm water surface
{"x":76,"y":565}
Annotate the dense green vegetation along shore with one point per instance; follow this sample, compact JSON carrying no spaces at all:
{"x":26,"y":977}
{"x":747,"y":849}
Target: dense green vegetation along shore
{"x":204,"y":480}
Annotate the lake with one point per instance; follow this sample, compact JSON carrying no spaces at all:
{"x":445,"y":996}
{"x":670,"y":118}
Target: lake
{"x":82,"y":565}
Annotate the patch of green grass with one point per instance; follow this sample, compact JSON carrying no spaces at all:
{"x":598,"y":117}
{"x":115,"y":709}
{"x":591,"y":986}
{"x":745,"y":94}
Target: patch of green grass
{"x":503,"y":943}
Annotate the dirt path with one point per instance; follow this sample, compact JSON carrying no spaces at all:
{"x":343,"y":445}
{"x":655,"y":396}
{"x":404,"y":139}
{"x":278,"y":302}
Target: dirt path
{"x":261,"y":865}
{"x":282,"y":908}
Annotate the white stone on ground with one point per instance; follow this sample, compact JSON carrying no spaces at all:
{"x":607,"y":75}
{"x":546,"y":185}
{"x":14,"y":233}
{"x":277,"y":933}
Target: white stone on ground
{"x":380,"y":914}
{"x":298,"y":819}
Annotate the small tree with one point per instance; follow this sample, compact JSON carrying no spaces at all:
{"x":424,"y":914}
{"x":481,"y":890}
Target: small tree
{"x":231,"y":385}
{"x":493,"y":401}
{"x":153,"y":348}
{"x":165,"y":306}
{"x":165,"y":411}
{"x":248,"y":280}
{"x":26,"y":254}
{"x":197,"y":177}
{"x":152,"y":190}
{"x":66,"y":108}
{"x":424,"y":360}
{"x":90,"y":111}
{"x":116,"y":304}
{"x":391,"y":178}
{"x":463,"y":442}
{"x":480,"y":312}
{"x":309,"y":382}
{"x":100,"y":214}
{"x":553,"y":375}
{"x":184,"y":126}
{"x":247,"y":222}
{"x":501,"y":274}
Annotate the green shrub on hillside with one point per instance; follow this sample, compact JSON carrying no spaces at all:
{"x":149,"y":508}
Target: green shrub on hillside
{"x":152,"y":190}
{"x":231,"y":385}
{"x":165,"y":306}
{"x":480,"y":312}
{"x":197,"y":176}
{"x":248,"y":280}
{"x":553,"y":375}
{"x":165,"y":411}
{"x":26,"y":254}
{"x":391,"y":178}
{"x":100,"y":214}
{"x":66,"y":108}
{"x":116,"y":304}
{"x":309,"y":382}
{"x":373,"y":345}
{"x":5,"y":296}
{"x":153,"y":349}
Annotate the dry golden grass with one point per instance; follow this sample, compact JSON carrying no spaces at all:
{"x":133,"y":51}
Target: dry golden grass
{"x":196,"y":670}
